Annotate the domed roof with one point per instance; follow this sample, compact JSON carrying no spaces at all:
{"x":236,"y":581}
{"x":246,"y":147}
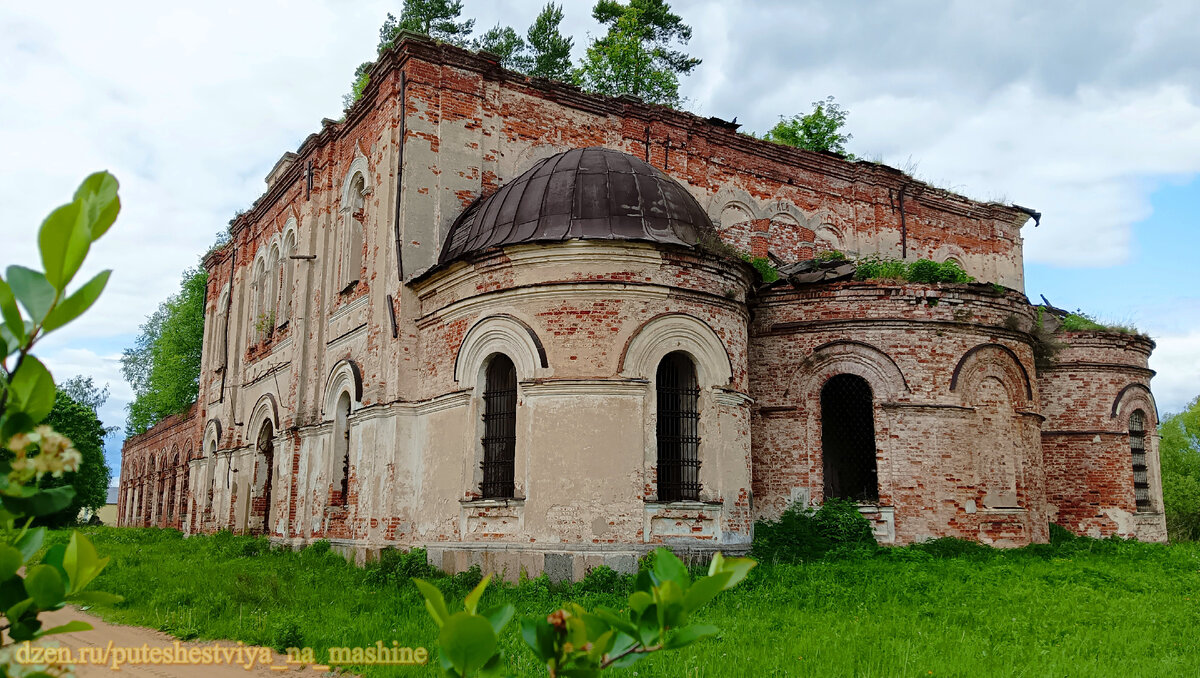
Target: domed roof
{"x":589,"y":193}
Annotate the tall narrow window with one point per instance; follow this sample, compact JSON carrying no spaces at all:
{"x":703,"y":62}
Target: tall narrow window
{"x":266,"y":451}
{"x":352,"y":235}
{"x":678,"y":429}
{"x":273,"y":284}
{"x":1137,"y":446}
{"x":499,"y":428}
{"x":289,"y":273}
{"x":848,"y":439}
{"x":341,"y":444}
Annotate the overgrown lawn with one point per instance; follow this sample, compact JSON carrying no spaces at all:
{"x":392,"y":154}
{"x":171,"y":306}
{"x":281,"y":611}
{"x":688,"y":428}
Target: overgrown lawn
{"x":1081,"y":608}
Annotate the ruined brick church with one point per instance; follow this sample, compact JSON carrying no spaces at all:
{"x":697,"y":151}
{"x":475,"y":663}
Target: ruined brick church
{"x":506,"y":321}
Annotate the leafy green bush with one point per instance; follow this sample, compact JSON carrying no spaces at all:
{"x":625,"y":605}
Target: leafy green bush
{"x":803,"y":533}
{"x":397,"y":567}
{"x":601,"y":579}
{"x":919,"y":271}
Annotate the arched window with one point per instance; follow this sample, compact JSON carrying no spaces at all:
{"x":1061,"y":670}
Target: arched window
{"x":678,"y":429}
{"x":218,"y":343}
{"x":341,"y":445}
{"x":289,"y":276}
{"x":499,"y":428}
{"x":1137,"y":447}
{"x":258,"y":307}
{"x":272,"y":275}
{"x":352,"y":243}
{"x":848,"y":439}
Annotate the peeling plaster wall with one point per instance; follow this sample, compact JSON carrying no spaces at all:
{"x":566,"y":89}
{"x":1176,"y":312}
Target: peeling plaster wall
{"x":439,"y":126}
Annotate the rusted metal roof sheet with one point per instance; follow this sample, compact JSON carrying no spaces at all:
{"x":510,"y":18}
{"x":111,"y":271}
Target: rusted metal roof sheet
{"x":587,"y":193}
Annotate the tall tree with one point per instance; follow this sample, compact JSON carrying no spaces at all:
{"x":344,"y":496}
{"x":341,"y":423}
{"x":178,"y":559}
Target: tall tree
{"x":635,"y":56}
{"x":1179,"y":452}
{"x":820,"y":130}
{"x":504,"y":42}
{"x":84,"y":391}
{"x":436,"y":18}
{"x":78,"y":422}
{"x":551,"y":51}
{"x":163,"y":367}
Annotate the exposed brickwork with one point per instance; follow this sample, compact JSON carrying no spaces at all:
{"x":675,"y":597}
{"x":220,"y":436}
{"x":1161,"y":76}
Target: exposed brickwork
{"x":958,"y":404}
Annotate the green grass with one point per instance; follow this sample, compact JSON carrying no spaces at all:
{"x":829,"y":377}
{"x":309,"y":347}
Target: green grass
{"x":1079,"y":321}
{"x":1080,"y":608}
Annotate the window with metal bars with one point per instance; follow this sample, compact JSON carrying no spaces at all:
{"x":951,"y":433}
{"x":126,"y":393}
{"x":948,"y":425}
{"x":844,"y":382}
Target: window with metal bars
{"x":499,"y":428}
{"x":1137,"y":447}
{"x":678,"y":429}
{"x":848,"y":439}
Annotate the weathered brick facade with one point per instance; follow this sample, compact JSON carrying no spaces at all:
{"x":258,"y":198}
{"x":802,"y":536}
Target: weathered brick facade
{"x":342,"y":389}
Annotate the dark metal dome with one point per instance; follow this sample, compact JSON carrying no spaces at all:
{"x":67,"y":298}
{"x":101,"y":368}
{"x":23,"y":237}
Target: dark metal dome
{"x":589,"y":193}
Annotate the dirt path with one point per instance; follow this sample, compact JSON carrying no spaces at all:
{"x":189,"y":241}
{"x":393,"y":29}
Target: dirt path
{"x":136,"y":644}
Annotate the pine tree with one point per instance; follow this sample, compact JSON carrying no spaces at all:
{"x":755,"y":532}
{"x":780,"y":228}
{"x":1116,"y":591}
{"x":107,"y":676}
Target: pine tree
{"x":635,"y":57}
{"x":551,"y":51}
{"x":436,"y":18}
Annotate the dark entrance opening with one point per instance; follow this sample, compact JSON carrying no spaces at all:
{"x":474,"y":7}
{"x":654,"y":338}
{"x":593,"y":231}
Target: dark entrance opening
{"x":848,"y":439}
{"x":266,"y":448}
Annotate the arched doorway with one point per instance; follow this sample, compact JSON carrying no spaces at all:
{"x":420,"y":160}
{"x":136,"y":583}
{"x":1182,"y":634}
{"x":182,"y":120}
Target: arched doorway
{"x":848,"y":439}
{"x":265,"y":464}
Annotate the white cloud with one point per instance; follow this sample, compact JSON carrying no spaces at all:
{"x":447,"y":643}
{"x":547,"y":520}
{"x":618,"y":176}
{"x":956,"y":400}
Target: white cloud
{"x":1075,"y":110}
{"x":1177,"y":360}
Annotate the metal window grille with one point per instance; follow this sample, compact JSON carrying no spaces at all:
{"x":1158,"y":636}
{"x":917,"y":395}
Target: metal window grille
{"x":848,"y":439}
{"x":678,"y":429}
{"x":499,"y":429}
{"x":1137,"y":447}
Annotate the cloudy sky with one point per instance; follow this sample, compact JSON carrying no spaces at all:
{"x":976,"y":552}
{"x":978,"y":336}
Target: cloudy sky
{"x":1088,"y":111}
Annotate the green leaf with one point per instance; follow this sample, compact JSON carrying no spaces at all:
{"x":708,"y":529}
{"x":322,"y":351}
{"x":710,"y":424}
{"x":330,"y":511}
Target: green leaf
{"x":81,"y":561}
{"x":26,"y":629}
{"x":31,"y":542}
{"x":40,"y":502}
{"x":11,"y":560}
{"x":648,"y":628}
{"x":622,"y":644}
{"x":32,"y":289}
{"x":737,"y":568}
{"x":12,"y":591}
{"x":95,"y":598}
{"x":69,"y":627}
{"x":640,"y":600}
{"x":73,"y":306}
{"x":690,"y":634}
{"x":472,"y":601}
{"x":500,"y":617}
{"x":704,"y":590}
{"x":64,"y":240}
{"x":667,"y":567}
{"x":468,"y":641}
{"x":45,"y":585}
{"x":32,"y":389}
{"x":99,"y":195}
{"x":538,"y":634}
{"x":619,"y":622}
{"x":12,"y":315}
{"x":434,"y":601}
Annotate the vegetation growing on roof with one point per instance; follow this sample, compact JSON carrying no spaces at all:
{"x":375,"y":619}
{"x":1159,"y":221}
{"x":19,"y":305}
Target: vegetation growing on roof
{"x":1083,"y":322}
{"x":918,"y":271}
